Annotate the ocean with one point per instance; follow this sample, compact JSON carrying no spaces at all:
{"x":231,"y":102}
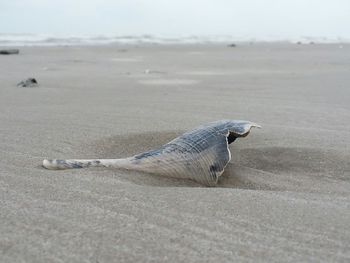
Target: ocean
{"x":69,"y":40}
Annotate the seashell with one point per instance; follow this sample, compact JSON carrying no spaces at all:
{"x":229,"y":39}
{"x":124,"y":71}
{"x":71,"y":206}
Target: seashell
{"x":200,"y":155}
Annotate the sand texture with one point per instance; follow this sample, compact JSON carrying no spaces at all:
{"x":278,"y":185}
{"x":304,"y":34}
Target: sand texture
{"x":285,"y":196}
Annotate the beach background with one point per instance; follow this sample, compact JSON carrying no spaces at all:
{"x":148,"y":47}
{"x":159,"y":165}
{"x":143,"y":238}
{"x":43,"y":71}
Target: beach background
{"x":284,"y":197}
{"x":116,"y":78}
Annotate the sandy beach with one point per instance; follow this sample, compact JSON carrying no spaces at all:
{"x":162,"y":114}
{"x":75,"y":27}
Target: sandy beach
{"x":285,"y":196}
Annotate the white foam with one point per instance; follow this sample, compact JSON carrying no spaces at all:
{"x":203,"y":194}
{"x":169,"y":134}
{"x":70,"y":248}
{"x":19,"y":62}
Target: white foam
{"x":52,"y":40}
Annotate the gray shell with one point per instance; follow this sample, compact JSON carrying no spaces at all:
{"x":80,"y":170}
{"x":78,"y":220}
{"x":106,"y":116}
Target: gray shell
{"x":200,"y":155}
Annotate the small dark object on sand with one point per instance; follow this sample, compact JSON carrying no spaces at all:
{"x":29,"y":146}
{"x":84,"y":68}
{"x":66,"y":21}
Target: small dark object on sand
{"x":30,"y":83}
{"x":299,"y":43}
{"x":232,"y":45}
{"x":9,"y":51}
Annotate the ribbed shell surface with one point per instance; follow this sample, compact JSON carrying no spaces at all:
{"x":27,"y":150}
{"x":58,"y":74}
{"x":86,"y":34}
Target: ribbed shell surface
{"x":200,"y":155}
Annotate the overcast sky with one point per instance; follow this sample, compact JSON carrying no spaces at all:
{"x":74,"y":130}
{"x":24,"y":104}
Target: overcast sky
{"x":249,"y":18}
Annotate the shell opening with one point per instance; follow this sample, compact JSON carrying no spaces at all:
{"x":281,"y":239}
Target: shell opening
{"x":231,"y":137}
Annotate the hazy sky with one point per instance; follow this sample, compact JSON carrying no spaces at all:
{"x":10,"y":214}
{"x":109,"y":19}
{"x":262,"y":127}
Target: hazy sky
{"x":249,"y":18}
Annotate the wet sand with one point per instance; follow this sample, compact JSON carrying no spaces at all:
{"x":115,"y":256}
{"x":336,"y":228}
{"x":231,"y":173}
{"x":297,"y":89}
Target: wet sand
{"x":284,"y":197}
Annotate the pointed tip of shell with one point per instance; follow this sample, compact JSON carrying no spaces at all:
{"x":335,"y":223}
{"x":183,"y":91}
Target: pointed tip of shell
{"x":248,"y":129}
{"x":49,"y":164}
{"x":253,"y":124}
{"x":243,"y":128}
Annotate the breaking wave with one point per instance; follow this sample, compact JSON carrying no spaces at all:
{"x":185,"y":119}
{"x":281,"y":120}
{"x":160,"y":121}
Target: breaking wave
{"x":51,"y":40}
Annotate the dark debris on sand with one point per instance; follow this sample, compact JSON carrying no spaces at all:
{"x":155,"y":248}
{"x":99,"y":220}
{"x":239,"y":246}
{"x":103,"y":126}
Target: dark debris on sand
{"x":28,"y":83}
{"x":9,"y":51}
{"x":232,"y":45}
